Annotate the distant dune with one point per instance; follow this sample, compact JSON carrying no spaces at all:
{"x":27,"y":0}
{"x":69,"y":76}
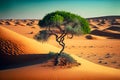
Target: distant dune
{"x":97,"y":23}
{"x":106,"y":26}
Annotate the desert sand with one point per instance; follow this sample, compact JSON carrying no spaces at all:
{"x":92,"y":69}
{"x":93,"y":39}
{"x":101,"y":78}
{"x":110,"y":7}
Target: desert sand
{"x":87,"y":71}
{"x":103,"y":50}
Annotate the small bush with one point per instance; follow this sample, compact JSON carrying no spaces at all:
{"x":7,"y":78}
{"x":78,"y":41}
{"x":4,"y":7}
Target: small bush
{"x":63,"y":59}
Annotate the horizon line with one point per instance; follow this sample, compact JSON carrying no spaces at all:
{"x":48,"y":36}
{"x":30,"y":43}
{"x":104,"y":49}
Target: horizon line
{"x":81,"y":16}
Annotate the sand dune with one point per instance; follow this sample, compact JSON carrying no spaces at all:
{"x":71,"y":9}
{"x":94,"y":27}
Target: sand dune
{"x":13,"y":43}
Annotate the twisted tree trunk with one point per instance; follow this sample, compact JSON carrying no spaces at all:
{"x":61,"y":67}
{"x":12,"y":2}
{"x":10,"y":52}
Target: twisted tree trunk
{"x":59,"y":39}
{"x":61,"y":42}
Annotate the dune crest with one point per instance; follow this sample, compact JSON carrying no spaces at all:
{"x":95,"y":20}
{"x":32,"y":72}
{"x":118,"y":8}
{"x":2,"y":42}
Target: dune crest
{"x":19,"y":44}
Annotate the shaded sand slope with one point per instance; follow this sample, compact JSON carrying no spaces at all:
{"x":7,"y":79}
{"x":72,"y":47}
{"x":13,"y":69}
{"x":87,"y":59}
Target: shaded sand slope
{"x":86,"y":71}
{"x":13,"y":43}
{"x":108,"y":34}
{"x":16,"y":61}
{"x":114,"y":28}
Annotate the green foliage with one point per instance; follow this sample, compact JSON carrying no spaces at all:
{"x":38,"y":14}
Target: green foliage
{"x":72,"y":23}
{"x":56,"y":20}
{"x":42,"y":35}
{"x":84,"y":26}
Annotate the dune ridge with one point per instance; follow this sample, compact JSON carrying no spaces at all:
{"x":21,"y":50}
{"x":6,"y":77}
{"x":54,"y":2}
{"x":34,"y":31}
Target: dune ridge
{"x":23,"y":44}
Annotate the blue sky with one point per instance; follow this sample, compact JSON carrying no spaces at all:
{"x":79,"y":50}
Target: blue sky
{"x":37,"y":9}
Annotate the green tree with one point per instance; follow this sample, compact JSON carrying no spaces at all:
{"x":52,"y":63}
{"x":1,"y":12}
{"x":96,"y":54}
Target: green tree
{"x":60,"y":24}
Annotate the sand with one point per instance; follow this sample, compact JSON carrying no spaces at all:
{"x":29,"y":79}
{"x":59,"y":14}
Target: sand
{"x":86,"y":71}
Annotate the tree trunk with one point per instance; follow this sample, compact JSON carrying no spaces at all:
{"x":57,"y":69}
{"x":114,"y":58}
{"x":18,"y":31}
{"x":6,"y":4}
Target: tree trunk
{"x":61,"y":42}
{"x":63,"y":47}
{"x":59,"y":39}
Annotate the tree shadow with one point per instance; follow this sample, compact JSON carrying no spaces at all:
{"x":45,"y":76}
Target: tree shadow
{"x":15,"y":61}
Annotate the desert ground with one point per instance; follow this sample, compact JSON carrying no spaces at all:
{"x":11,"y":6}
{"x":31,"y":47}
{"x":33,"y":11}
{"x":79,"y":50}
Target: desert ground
{"x":97,"y":52}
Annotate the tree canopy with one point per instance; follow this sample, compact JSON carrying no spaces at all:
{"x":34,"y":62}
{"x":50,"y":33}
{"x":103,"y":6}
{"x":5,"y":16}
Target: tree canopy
{"x":72,"y":23}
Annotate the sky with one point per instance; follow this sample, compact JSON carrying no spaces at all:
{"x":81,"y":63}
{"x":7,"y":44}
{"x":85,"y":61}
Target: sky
{"x":37,"y":9}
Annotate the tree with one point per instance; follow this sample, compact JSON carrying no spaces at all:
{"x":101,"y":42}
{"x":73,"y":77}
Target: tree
{"x":61,"y":24}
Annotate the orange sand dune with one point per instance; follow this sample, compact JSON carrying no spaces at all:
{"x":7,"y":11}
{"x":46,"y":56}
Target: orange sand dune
{"x":11,"y":41}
